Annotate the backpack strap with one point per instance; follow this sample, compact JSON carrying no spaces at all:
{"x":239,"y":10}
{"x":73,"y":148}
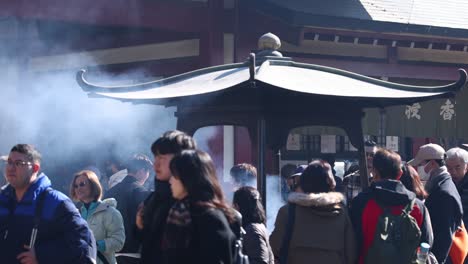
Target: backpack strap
{"x":37,"y":216}
{"x":409,"y":207}
{"x":284,"y":250}
{"x":406,"y":210}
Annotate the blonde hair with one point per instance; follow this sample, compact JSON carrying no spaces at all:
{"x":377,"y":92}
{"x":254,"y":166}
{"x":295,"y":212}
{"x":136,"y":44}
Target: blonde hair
{"x":96,"y":189}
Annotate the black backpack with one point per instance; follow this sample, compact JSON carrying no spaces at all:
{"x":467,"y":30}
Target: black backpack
{"x":238,"y":256}
{"x":396,"y":238}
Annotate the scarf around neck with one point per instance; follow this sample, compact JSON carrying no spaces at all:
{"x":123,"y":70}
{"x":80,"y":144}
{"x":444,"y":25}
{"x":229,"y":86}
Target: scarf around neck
{"x":177,"y":233}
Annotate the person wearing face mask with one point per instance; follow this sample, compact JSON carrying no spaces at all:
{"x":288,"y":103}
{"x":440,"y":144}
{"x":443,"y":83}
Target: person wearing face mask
{"x":423,"y":175}
{"x":443,"y":202}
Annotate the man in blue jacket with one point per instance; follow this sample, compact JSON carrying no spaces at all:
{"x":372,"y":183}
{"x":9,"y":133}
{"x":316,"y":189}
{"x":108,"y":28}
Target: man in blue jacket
{"x":444,"y":202}
{"x":39,"y":224}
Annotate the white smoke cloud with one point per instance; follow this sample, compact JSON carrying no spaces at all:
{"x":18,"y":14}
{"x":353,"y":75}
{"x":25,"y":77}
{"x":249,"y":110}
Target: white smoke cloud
{"x":49,"y":109}
{"x":274,"y":200}
{"x":52,"y":112}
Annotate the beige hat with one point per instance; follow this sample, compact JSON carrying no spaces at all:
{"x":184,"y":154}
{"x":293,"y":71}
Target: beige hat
{"x":428,"y":152}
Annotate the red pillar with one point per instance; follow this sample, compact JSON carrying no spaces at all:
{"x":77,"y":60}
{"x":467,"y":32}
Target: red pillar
{"x":211,"y":54}
{"x":211,"y":40}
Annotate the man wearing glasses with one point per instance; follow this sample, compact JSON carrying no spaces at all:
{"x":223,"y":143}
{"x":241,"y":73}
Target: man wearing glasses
{"x":39,"y":224}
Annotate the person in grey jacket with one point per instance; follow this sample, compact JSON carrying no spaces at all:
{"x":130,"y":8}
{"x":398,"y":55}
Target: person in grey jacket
{"x":256,"y":245}
{"x":102,"y":216}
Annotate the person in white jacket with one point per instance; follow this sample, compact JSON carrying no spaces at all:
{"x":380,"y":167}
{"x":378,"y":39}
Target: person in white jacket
{"x":102,"y":216}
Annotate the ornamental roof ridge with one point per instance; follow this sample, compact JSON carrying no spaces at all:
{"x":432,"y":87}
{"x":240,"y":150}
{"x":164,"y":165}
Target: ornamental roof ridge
{"x":279,"y":73}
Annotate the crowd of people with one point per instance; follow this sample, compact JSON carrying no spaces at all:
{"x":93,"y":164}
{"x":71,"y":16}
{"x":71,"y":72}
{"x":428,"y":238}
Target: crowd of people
{"x":187,"y":219}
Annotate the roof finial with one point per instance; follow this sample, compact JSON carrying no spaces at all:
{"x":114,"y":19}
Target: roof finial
{"x":269,"y":41}
{"x":268,"y":44}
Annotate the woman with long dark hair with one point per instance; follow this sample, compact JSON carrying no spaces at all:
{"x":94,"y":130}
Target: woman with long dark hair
{"x":256,"y":245}
{"x":410,"y":179}
{"x":197,"y":228}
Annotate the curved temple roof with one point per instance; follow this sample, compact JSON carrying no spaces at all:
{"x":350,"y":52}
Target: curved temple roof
{"x":278,"y":94}
{"x":280,"y":73}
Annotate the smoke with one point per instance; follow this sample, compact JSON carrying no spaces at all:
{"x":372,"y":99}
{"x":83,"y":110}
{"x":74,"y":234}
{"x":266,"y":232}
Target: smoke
{"x":274,"y":200}
{"x":206,"y":139}
{"x":49,"y":110}
{"x":54,"y":114}
{"x":202,"y":137}
{"x":41,"y":103}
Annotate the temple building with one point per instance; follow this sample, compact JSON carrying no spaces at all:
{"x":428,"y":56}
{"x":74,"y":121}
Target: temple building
{"x":417,"y":43}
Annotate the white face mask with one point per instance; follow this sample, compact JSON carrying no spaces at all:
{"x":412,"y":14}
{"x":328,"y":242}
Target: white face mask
{"x":423,"y":175}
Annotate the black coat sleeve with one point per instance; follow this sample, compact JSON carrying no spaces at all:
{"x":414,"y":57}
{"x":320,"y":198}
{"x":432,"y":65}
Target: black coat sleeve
{"x":216,"y":240}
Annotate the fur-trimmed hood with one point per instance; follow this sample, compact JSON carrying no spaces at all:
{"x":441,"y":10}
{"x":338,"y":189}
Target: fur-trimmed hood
{"x":329,"y":199}
{"x":322,"y":232}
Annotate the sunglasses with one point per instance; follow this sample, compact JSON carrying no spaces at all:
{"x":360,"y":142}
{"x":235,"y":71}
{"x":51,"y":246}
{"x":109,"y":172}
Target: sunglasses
{"x":81,"y":184}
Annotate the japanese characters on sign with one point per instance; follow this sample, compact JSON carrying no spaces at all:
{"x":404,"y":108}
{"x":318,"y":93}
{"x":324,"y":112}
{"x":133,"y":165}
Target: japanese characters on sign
{"x":412,"y":111}
{"x":447,"y":111}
